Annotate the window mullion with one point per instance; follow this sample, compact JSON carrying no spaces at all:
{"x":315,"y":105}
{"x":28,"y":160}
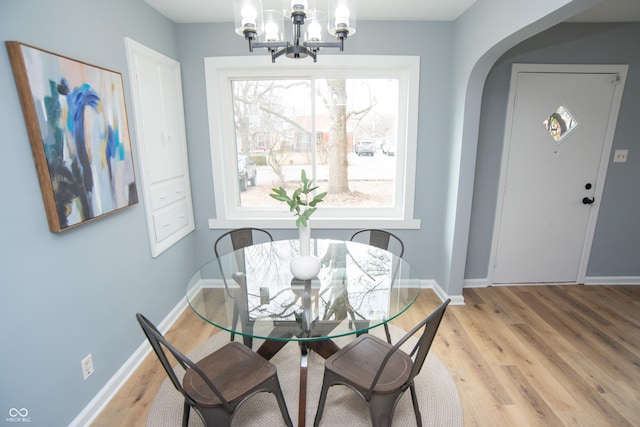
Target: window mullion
{"x":314,"y":148}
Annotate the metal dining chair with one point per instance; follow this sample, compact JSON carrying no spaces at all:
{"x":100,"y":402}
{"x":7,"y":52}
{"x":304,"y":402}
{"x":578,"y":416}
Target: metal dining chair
{"x":379,"y":372}
{"x":384,"y":240}
{"x":219,"y":383}
{"x":232,"y":241}
{"x":380,"y":239}
{"x":240,"y":238}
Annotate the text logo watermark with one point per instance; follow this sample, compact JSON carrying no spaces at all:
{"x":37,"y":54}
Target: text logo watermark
{"x":18,"y":416}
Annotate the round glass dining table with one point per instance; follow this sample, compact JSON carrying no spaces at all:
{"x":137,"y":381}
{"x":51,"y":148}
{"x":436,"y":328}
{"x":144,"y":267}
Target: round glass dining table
{"x":251,"y":293}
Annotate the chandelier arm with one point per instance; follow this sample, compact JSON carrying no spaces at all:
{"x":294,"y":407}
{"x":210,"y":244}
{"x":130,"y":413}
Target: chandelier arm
{"x":271,"y":45}
{"x":318,"y":45}
{"x":303,"y":51}
{"x":275,"y":54}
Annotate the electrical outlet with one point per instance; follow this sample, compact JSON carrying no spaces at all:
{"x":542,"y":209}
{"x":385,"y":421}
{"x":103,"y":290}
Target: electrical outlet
{"x":620,"y":156}
{"x":87,"y":366}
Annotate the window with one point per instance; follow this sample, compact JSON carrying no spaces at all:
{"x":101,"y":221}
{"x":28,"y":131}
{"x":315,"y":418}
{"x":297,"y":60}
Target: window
{"x":348,"y":121}
{"x":560,"y":123}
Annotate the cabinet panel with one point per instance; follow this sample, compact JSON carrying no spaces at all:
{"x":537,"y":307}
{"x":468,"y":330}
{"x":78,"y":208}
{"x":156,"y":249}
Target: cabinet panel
{"x":161,"y":124}
{"x":170,"y":220}
{"x":156,"y":87}
{"x":165,"y":193}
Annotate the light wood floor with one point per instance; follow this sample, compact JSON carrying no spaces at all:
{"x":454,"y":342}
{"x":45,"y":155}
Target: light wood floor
{"x":521,"y":356}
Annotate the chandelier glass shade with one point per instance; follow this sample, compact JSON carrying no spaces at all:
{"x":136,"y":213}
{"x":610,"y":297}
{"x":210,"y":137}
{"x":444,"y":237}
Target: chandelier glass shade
{"x":265,"y":28}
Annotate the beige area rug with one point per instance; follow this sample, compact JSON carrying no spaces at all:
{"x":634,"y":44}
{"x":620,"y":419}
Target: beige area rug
{"x":437,"y":393}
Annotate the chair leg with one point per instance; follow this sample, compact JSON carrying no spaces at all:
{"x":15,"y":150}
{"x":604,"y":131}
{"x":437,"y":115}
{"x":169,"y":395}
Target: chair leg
{"x":277,"y":391}
{"x":215,"y":417}
{"x":323,"y":398}
{"x":247,"y":328}
{"x":247,"y":332}
{"x":247,"y":341}
{"x":234,"y":322}
{"x":386,"y":331}
{"x":360,"y":324}
{"x":416,"y":409}
{"x":185,"y":414}
{"x":381,"y":409}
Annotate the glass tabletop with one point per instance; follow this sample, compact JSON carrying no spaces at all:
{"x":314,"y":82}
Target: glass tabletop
{"x":252,"y":292}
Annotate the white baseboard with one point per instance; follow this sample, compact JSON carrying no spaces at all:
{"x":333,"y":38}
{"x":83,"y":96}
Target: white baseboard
{"x":455,"y":299}
{"x":604,"y":280}
{"x":613,"y":280}
{"x":104,"y":396}
{"x":476,"y":283}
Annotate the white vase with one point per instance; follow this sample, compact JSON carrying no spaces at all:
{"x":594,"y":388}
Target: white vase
{"x":305,"y":239}
{"x":305,"y":267}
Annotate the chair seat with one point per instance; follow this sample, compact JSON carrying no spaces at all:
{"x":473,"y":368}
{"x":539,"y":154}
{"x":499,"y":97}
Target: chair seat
{"x":359,"y":361}
{"x":235,"y":370}
{"x":379,"y":371}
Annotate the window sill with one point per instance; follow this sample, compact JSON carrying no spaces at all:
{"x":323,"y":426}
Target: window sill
{"x":320,"y":223}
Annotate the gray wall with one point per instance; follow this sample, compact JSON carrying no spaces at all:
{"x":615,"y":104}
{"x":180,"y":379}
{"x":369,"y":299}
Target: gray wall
{"x":616,"y":245}
{"x":66,"y":295}
{"x":431,"y":41}
{"x":485,"y":31}
{"x":455,"y":59}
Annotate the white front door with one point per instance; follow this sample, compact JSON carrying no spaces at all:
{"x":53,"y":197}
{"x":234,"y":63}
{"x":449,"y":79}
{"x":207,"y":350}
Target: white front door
{"x":557,"y":145}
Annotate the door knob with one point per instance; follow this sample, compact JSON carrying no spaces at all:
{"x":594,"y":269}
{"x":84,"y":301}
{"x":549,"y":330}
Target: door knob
{"x":588,"y":201}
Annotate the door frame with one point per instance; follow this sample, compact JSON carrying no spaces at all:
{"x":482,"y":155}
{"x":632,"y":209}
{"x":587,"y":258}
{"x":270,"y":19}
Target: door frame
{"x":621,"y":71}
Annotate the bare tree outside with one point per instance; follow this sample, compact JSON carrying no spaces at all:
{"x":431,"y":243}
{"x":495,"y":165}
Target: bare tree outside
{"x":342,"y":112}
{"x":261,"y":109}
{"x":278,"y":127}
{"x":336,"y":102}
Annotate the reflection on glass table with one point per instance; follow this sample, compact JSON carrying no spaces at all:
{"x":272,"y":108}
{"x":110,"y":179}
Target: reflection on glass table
{"x":252,"y":293}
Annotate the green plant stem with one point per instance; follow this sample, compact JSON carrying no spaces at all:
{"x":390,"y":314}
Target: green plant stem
{"x":299,"y":202}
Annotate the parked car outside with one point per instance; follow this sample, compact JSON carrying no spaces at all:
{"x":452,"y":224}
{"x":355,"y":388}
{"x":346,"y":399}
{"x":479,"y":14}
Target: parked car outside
{"x":247,"y":172}
{"x":365,"y":147}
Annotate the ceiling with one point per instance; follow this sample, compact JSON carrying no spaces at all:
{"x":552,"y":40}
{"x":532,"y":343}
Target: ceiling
{"x":192,"y":11}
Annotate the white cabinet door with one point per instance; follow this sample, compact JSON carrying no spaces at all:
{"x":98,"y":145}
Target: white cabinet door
{"x":161,"y":117}
{"x":156,"y":87}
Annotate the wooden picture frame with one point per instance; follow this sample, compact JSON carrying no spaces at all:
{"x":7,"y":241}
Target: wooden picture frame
{"x":77,"y":125}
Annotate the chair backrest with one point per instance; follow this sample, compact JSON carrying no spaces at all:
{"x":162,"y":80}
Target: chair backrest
{"x":239,"y":238}
{"x":380,"y":239}
{"x":159,"y":344}
{"x":419,"y":353}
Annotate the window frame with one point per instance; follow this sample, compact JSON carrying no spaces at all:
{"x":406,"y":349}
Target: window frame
{"x":219,"y":71}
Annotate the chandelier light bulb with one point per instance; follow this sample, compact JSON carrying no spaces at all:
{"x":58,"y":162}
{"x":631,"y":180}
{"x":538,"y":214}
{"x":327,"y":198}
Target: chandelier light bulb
{"x":315,"y":31}
{"x":271,"y":31}
{"x":299,"y":5}
{"x":342,"y":16}
{"x":249,"y":14}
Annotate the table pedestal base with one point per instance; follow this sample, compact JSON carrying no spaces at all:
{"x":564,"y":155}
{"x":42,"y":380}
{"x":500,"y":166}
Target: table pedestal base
{"x":283,"y":331}
{"x":325,"y":348}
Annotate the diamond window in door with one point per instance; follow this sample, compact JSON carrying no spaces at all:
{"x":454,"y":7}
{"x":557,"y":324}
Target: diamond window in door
{"x":560,"y":123}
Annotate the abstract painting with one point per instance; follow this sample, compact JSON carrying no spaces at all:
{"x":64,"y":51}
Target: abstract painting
{"x":77,"y":125}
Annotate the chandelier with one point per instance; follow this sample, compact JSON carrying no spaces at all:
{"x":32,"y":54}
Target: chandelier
{"x":265,"y":28}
